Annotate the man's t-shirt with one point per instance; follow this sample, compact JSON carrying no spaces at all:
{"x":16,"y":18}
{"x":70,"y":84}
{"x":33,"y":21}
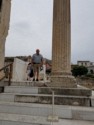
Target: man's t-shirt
{"x":37,"y":58}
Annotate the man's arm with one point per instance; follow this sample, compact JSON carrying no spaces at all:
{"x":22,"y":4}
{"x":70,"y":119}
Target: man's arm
{"x":33,"y":59}
{"x":41,"y":60}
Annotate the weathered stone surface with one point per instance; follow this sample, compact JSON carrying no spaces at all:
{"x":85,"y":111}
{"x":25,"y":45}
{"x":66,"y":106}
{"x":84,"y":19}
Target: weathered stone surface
{"x":63,"y":81}
{"x":65,"y":91}
{"x":4,"y":27}
{"x":47,"y":99}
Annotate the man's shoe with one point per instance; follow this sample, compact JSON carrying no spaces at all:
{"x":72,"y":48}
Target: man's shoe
{"x":33,"y":79}
{"x":37,"y":80}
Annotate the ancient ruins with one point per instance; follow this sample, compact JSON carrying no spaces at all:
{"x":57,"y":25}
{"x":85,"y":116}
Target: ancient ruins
{"x":41,"y":103}
{"x":61,"y":45}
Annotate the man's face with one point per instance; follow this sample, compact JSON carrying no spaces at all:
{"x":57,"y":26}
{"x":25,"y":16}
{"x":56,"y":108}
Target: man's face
{"x":37,"y":51}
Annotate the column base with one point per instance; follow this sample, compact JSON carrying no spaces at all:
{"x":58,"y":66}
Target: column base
{"x":65,"y":81}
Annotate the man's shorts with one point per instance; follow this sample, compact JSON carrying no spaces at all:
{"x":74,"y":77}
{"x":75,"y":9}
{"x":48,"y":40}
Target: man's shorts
{"x":36,"y":67}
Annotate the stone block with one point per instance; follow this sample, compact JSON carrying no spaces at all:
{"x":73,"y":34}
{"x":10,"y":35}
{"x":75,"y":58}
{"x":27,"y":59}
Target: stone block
{"x":7,"y":97}
{"x":58,"y":99}
{"x":65,"y":91}
{"x":21,"y":89}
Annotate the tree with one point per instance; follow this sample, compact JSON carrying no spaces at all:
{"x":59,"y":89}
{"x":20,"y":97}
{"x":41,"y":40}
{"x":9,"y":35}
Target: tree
{"x":79,"y":71}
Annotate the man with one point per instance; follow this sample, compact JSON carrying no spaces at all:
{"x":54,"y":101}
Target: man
{"x":37,"y":60}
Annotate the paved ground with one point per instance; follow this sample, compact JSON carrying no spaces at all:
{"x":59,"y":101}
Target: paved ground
{"x":72,"y":122}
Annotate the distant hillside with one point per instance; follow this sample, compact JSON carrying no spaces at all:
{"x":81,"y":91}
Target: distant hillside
{"x":49,"y":61}
{"x":11,"y":59}
{"x":24,"y":58}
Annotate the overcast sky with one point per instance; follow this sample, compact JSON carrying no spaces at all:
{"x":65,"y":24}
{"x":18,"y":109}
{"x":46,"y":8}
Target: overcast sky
{"x":31,"y":28}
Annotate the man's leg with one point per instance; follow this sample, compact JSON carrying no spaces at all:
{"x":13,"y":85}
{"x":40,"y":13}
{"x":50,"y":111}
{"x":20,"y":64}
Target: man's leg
{"x":34,"y":71}
{"x":38,"y":66}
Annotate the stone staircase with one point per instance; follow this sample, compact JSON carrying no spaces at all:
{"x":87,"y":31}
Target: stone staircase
{"x":43,"y":95}
{"x":24,"y":104}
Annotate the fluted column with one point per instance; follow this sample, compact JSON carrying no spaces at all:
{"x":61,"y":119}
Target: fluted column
{"x":61,"y":44}
{"x":2,"y":55}
{"x":4,"y":27}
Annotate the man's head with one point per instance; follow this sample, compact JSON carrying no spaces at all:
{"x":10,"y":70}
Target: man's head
{"x":37,"y":51}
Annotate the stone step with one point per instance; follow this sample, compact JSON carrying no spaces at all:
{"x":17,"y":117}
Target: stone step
{"x":28,"y":83}
{"x":35,"y":109}
{"x":58,"y":99}
{"x":7,"y":97}
{"x":7,"y":110}
{"x":61,"y":122}
{"x":2,"y":122}
{"x":65,"y":91}
{"x":48,"y":90}
{"x":47,"y":99}
{"x":23,"y":119}
{"x":21,"y":89}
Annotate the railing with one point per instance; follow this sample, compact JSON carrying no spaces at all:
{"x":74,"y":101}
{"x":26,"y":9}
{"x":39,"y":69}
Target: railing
{"x":7,"y":70}
{"x":53,"y":117}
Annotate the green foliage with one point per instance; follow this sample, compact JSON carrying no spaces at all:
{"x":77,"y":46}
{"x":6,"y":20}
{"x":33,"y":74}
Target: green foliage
{"x":92,"y":76}
{"x":91,"y":71}
{"x":89,"y":75}
{"x":79,"y":71}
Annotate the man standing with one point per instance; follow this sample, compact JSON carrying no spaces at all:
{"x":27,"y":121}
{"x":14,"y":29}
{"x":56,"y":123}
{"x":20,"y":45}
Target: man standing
{"x":37,"y":60}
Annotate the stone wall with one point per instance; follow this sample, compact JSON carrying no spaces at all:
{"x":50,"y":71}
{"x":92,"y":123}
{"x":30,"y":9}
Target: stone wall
{"x":87,"y":82}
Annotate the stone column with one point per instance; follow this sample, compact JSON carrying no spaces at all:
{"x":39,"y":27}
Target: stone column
{"x":4,"y":27}
{"x":61,"y":45}
{"x":2,"y":55}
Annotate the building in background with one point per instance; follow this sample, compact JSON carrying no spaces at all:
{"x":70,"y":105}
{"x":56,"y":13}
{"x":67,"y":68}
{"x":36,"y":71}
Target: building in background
{"x":85,"y":63}
{"x":88,"y":64}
